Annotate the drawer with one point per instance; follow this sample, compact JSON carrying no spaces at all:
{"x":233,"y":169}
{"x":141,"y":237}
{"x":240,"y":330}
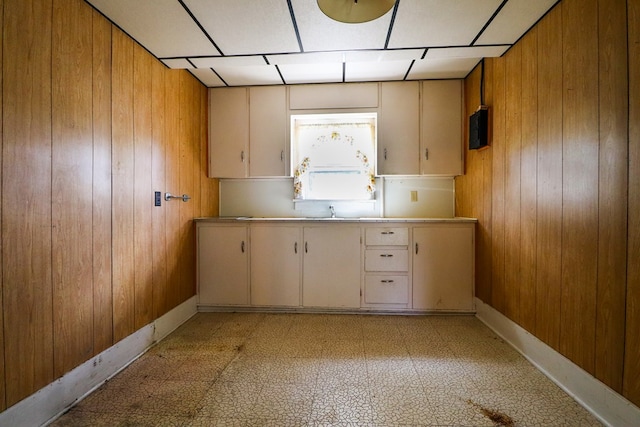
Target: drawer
{"x":386,"y":260}
{"x":379,"y":289}
{"x":387,"y":236}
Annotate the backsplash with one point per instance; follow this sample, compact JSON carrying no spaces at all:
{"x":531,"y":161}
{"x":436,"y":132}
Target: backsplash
{"x":396,"y":197}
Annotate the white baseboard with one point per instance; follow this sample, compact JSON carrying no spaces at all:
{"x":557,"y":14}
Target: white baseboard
{"x":608,"y":406}
{"x":51,"y":401}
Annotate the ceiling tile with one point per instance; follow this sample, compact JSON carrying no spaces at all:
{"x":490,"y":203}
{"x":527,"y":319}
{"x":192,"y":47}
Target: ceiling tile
{"x":179,"y":63}
{"x":383,"y":55}
{"x":516,"y":17}
{"x":161,"y":26}
{"x":241,"y":27}
{"x":307,"y":58}
{"x":207,"y":77}
{"x":249,"y":75}
{"x":228,"y":61}
{"x":467,"y":52}
{"x":425,"y":23}
{"x":442,"y":68}
{"x":376,"y":71}
{"x":311,"y":73}
{"x":320,"y":33}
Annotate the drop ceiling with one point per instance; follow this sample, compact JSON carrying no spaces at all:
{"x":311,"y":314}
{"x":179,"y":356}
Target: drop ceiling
{"x":267,"y":42}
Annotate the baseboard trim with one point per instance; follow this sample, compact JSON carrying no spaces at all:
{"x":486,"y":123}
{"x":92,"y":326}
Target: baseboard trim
{"x":53,"y":400}
{"x":608,"y":406}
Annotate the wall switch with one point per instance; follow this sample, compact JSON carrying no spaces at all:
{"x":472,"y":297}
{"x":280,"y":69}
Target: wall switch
{"x":158,"y":198}
{"x":414,"y":196}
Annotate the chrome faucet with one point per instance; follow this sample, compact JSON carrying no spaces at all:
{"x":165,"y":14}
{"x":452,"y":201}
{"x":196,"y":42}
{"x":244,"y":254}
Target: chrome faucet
{"x":333,"y":211}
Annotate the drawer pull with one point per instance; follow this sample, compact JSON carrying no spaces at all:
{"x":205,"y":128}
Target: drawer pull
{"x":387,"y":281}
{"x":388,"y":232}
{"x":386,"y":255}
{"x":295,"y":247}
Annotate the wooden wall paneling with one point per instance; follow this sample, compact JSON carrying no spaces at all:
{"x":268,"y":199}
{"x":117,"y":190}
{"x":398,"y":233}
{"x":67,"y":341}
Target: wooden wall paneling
{"x":158,"y":180}
{"x":72,"y":186}
{"x":3,"y":403}
{"x":26,"y":197}
{"x":528,"y":180}
{"x":484,"y":268}
{"x":102,"y":297}
{"x":123,"y":186}
{"x":512,"y":149}
{"x":612,"y":210}
{"x":580,"y":182}
{"x":498,"y":292}
{"x":143,"y":191}
{"x":549,"y":181}
{"x":631,"y":382}
{"x":189,"y":145}
{"x":172,"y":208}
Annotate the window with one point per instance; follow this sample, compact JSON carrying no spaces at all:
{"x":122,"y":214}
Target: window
{"x":333,"y":156}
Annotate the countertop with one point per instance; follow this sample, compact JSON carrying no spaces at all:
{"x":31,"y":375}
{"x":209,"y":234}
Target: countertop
{"x":226,"y":219}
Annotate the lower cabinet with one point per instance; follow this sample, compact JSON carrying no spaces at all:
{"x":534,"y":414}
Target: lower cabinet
{"x":331,"y":273}
{"x":223,"y":269}
{"x":276,"y":261}
{"x":443,"y":267}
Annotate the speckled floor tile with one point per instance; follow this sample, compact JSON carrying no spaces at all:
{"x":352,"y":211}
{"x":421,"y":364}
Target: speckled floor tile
{"x":256,"y":369}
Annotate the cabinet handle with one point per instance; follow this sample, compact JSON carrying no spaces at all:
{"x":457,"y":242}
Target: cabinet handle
{"x":385,"y":154}
{"x":282,"y":156}
{"x":388,"y":232}
{"x":386,"y":255}
{"x":416,"y":248}
{"x":426,"y":154}
{"x":306,"y":247}
{"x":295,"y":247}
{"x":242,"y":156}
{"x":242,"y":246}
{"x":387,"y":281}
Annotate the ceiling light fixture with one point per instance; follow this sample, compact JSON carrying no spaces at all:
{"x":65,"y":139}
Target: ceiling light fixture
{"x":354,"y":11}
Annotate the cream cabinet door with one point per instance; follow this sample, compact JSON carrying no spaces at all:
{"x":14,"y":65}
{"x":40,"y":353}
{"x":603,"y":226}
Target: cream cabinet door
{"x":399,"y":128}
{"x":228,"y":133}
{"x":276,"y":260}
{"x":331,"y":266}
{"x":268,"y":131}
{"x":443,"y":260}
{"x":441,"y":133}
{"x":223,"y":277}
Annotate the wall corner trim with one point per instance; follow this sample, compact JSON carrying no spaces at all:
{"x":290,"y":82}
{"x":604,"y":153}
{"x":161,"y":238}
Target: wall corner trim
{"x":48,"y":403}
{"x":609,"y":407}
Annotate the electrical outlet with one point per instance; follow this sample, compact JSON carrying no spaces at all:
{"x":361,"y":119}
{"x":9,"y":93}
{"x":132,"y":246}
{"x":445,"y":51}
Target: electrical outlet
{"x":158,"y":198}
{"x":414,"y":196}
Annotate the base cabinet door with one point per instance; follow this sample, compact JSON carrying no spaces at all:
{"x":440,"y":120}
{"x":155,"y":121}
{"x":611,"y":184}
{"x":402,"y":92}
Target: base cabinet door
{"x":331,"y":267}
{"x":443,"y":270}
{"x":276,"y":259}
{"x":223,"y":273}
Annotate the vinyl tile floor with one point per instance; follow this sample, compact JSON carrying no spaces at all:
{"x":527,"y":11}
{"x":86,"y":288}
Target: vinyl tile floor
{"x":258,"y":369}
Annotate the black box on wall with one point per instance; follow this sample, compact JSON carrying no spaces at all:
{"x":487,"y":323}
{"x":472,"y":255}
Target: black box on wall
{"x":479,"y":128}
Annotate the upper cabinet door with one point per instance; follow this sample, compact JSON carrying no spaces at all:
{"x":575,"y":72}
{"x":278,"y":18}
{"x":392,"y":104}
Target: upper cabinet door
{"x":268,"y":131}
{"x":399,"y":129}
{"x":333,"y":96}
{"x":441,"y":141}
{"x":228,"y":133}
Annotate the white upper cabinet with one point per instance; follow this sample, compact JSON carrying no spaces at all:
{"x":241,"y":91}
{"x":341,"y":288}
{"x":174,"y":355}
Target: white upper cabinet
{"x":268,"y":131}
{"x":228,"y":133}
{"x":333,"y":96}
{"x":441,"y":128}
{"x":399,"y":129}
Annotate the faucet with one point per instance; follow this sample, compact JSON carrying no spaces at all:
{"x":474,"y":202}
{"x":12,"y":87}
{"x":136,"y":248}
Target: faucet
{"x":333,"y":211}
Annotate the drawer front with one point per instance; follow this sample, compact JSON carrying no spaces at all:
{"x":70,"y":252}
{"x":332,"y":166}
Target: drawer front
{"x":386,"y":260}
{"x":383,"y":236}
{"x":380,"y":289}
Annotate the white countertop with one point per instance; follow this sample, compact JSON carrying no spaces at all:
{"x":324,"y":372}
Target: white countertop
{"x":332,"y":220}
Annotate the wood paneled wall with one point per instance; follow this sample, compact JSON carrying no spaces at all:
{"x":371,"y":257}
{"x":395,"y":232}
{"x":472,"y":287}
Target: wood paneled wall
{"x":92,"y":125}
{"x":559,"y":228}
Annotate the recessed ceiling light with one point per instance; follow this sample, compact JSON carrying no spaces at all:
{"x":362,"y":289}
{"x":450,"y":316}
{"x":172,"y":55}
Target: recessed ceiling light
{"x":355,"y":11}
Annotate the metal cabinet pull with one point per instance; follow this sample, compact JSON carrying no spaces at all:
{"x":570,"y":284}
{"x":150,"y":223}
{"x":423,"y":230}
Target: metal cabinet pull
{"x":387,"y":281}
{"x":416,"y":248}
{"x":282,"y":156}
{"x":242,"y":246}
{"x":295,"y":247}
{"x":388,"y":232}
{"x":426,"y":154}
{"x":386,"y":255}
{"x":242,"y":156}
{"x":306,"y":247}
{"x":385,"y":154}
